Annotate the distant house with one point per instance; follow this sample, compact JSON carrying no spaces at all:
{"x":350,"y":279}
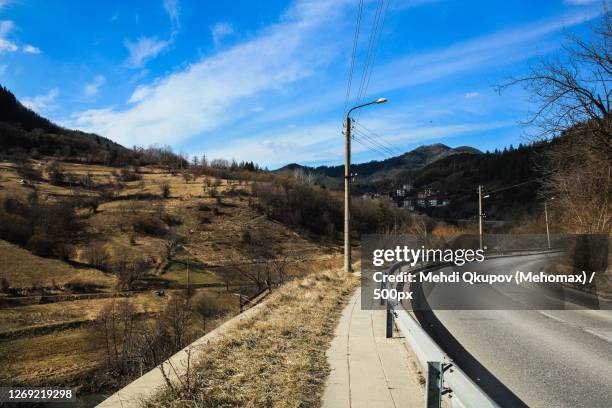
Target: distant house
{"x":407,"y":187}
{"x":425,"y":192}
{"x":409,"y":204}
{"x":400,"y":192}
{"x":421,"y":202}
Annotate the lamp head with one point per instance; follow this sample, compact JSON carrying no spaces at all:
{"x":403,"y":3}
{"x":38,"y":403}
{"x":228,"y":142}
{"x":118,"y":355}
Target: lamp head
{"x":381,"y":100}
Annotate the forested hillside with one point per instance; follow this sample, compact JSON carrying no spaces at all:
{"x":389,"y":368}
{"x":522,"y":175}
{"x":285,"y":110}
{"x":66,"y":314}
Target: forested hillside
{"x":24,"y":132}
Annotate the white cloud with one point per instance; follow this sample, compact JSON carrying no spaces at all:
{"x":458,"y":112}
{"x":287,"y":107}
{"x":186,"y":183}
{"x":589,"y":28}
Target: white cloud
{"x":7,"y":45}
{"x":91,"y":88}
{"x":42,"y":103}
{"x":140,"y":93}
{"x":147,"y":48}
{"x":220,"y":31}
{"x":470,"y":95}
{"x":172,"y":8}
{"x":144,"y":49}
{"x":5,"y":27}
{"x":498,"y":49}
{"x":205,"y":95}
{"x":30,"y":49}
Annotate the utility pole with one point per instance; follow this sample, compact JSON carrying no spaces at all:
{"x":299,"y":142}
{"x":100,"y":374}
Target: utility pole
{"x":347,"y":185}
{"x":480,"y":215}
{"x":347,"y":197}
{"x":546,"y":219}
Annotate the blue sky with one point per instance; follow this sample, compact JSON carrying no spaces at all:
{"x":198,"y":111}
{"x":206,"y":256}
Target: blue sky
{"x":267,"y":80}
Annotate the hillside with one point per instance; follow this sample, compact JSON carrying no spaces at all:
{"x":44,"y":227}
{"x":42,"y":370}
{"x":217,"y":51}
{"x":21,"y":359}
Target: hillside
{"x":24,"y":132}
{"x":451,"y":173}
{"x":457,"y":177}
{"x":127,"y":234}
{"x":375,"y":169}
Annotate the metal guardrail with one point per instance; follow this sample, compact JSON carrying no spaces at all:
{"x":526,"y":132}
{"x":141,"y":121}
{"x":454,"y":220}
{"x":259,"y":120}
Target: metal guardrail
{"x":443,"y":377}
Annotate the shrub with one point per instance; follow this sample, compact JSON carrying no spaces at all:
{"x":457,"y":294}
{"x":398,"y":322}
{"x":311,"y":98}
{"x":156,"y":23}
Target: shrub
{"x":4,"y":285}
{"x":128,"y":174}
{"x":56,"y":173}
{"x":14,"y":228}
{"x":203,"y":207}
{"x":41,"y":245}
{"x":79,"y":285}
{"x":204,"y":219}
{"x":97,"y":255}
{"x":206,"y":307}
{"x":26,"y":171}
{"x":171,"y":219}
{"x":164,"y":188}
{"x":149,"y":225}
{"x":63,"y":251}
{"x":87,"y":181}
{"x":246,"y":237}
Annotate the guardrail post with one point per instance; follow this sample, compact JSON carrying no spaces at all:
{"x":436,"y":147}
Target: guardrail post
{"x":389,"y":320}
{"x":433,"y":385}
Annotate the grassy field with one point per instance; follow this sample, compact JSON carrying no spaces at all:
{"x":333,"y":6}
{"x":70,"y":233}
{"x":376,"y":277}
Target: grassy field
{"x":23,"y":269}
{"x":278,"y":356}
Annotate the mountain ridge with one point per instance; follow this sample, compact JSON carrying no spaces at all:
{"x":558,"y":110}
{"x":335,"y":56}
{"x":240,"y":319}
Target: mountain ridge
{"x":411,"y":160}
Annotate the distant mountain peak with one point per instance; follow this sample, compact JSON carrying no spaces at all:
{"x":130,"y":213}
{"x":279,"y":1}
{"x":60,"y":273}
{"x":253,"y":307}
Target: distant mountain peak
{"x":412,"y":160}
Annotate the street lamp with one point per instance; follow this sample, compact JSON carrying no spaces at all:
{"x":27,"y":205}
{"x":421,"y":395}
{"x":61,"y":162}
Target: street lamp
{"x":347,"y":185}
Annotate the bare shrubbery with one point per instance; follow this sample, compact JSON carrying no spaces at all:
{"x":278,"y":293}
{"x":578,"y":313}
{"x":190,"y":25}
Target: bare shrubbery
{"x":44,"y":228}
{"x":56,"y":173}
{"x":128,"y":174}
{"x":128,"y":268}
{"x":132,"y":342}
{"x":164,"y":189}
{"x":27,"y":171}
{"x":97,"y":255}
{"x":4,"y":285}
{"x":149,"y":224}
{"x":319,"y":211}
{"x":78,"y":285}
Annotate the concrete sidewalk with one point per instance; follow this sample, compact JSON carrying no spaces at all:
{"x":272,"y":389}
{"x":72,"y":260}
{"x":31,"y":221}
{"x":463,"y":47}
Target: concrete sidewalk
{"x":369,"y":370}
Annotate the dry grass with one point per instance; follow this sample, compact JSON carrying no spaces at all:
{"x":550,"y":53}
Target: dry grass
{"x":25,"y":270}
{"x":51,"y":359}
{"x":275,"y":359}
{"x":41,"y":315}
{"x":69,"y":355}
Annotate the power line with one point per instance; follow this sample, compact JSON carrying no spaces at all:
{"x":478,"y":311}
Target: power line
{"x":397,"y":151}
{"x":375,"y":142}
{"x":352,"y":65}
{"x":375,"y":51}
{"x":368,"y":145}
{"x":371,"y":41}
{"x":550,"y":173}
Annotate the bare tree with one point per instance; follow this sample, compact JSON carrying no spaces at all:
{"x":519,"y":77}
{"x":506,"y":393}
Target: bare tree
{"x":118,"y":321}
{"x":572,"y":93}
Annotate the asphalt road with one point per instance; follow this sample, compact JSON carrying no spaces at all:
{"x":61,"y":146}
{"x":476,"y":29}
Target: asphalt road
{"x":535,"y":358}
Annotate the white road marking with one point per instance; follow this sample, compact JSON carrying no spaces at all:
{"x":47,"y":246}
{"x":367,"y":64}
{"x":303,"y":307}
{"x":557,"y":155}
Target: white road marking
{"x":602,"y":333}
